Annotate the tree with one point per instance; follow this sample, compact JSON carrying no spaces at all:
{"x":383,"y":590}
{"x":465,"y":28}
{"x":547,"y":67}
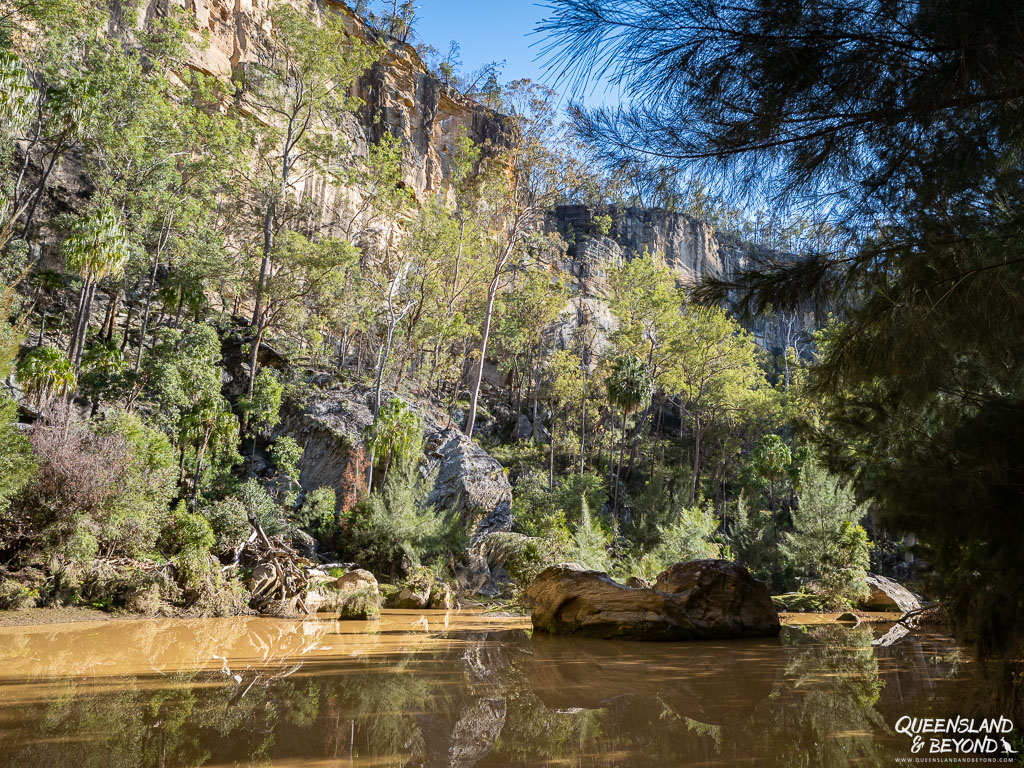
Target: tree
{"x":522,"y":184}
{"x":298,"y":89}
{"x":263,"y":409}
{"x":772,"y":458}
{"x":44,"y":372}
{"x":96,"y":248}
{"x":714,"y":371}
{"x":394,"y":436}
{"x":629,"y":387}
{"x":17,"y":464}
{"x":828,"y":541}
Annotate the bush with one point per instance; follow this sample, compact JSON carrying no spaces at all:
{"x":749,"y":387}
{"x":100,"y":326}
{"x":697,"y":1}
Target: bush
{"x":102,"y":489}
{"x":393,"y":529}
{"x":189,"y":539}
{"x":229,"y":520}
{"x":590,"y":541}
{"x":15,"y":596}
{"x":827,"y":541}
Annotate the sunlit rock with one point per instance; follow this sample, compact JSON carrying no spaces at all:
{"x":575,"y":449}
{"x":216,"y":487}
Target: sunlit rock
{"x":702,"y":600}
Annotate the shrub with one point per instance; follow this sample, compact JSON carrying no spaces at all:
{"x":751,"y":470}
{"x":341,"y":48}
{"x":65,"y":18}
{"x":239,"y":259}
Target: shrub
{"x":188,"y":538}
{"x":590,"y":541}
{"x":229,"y":520}
{"x":827,"y":541}
{"x":15,"y":596}
{"x":102,"y":489}
{"x":393,"y":529}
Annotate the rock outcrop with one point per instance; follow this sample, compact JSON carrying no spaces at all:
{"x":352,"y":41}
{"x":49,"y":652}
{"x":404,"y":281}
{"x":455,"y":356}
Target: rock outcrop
{"x":701,"y":600}
{"x":888,"y":595}
{"x":398,"y":94}
{"x":466,"y":479}
{"x":356,"y":596}
{"x":690,"y":248}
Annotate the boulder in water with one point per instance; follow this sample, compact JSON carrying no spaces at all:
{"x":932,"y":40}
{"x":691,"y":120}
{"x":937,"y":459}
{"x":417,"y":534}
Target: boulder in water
{"x":701,"y":600}
{"x":888,"y":595}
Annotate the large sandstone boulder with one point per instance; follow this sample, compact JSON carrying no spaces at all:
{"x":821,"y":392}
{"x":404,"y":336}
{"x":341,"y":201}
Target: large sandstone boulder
{"x":724,"y":593}
{"x":710,"y":599}
{"x":355,"y":580}
{"x":888,"y":595}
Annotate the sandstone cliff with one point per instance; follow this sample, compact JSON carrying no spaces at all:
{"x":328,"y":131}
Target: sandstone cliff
{"x":399,"y":95}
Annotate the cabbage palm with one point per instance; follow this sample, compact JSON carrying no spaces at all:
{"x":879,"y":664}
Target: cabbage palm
{"x":43,"y":372}
{"x":629,"y":387}
{"x":394,"y":434}
{"x":97,"y":248}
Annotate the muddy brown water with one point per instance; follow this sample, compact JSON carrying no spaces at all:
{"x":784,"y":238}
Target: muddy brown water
{"x":457,"y":689}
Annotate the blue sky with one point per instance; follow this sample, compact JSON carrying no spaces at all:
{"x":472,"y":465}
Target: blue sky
{"x":489,"y":30}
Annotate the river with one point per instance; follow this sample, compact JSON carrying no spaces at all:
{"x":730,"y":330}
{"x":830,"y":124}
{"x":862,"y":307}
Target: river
{"x":460,"y":689}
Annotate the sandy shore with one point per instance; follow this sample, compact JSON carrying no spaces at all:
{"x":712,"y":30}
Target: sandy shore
{"x":30,"y":616}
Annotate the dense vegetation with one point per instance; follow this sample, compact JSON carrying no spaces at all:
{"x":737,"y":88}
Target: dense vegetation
{"x":145,"y":437}
{"x":902,"y":121}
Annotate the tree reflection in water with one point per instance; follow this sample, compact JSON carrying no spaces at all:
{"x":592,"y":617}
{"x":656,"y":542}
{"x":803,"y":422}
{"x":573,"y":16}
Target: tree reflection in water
{"x":459,"y":690}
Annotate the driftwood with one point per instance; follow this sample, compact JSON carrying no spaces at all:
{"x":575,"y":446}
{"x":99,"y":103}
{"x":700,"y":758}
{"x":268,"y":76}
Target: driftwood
{"x":904,"y":625}
{"x":279,"y":579}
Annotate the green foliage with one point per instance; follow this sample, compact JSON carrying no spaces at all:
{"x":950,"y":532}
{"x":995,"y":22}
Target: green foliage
{"x":393,"y":529}
{"x":286,"y":453}
{"x":17,"y":94}
{"x":576,"y":491}
{"x":602,"y":224}
{"x":827,"y":541}
{"x":229,"y":521}
{"x":97,"y":246}
{"x":44,"y":372}
{"x":260,"y":506}
{"x":318,"y":515}
{"x":188,"y":538}
{"x":629,"y":383}
{"x":590,"y":541}
{"x":753,"y":538}
{"x":690,"y":536}
{"x":395,"y":435}
{"x":105,"y":373}
{"x":263,"y":409}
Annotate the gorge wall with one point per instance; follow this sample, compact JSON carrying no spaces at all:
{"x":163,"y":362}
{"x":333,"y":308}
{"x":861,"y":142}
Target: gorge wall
{"x":398,"y":94}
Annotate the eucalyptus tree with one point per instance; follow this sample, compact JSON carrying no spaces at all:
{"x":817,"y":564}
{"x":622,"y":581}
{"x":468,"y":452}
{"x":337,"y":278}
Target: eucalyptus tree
{"x":714,"y":374}
{"x":298,"y":92}
{"x":522,"y":183}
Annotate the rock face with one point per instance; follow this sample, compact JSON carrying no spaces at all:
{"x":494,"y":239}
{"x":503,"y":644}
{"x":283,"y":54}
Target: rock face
{"x":690,"y":248}
{"x":888,"y":595}
{"x":398,"y":94}
{"x":467,"y":480}
{"x":702,"y":600}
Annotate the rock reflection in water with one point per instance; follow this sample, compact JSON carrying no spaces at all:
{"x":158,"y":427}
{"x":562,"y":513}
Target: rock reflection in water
{"x":441,"y":689}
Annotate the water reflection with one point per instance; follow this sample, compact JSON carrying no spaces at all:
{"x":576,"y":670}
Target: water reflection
{"x":441,"y":689}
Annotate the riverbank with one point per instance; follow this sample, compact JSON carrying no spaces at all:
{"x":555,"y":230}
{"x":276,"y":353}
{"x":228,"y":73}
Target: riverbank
{"x":75,"y":614}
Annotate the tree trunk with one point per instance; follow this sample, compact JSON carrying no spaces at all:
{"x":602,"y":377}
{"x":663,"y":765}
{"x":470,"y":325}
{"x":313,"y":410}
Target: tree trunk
{"x":696,"y":460}
{"x":492,"y":291}
{"x":551,"y":453}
